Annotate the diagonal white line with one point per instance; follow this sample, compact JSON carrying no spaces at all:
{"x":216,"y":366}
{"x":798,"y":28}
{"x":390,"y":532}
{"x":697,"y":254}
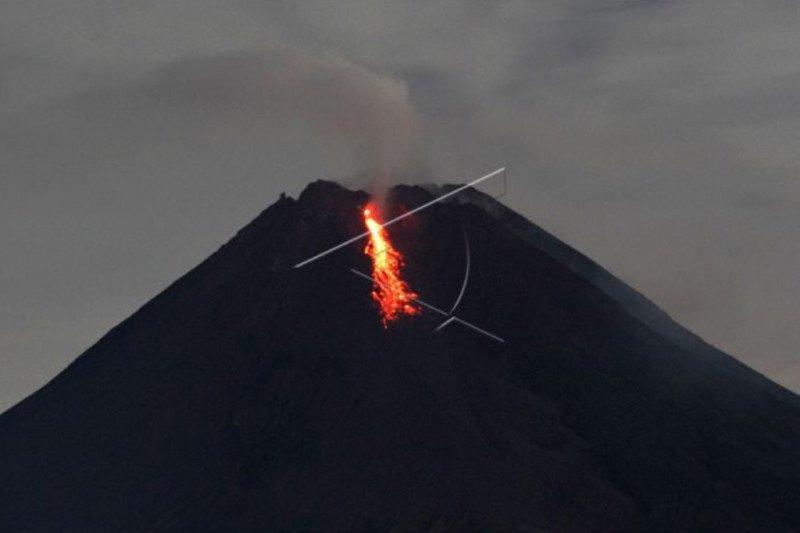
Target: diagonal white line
{"x":444,"y":324}
{"x":401,"y":217}
{"x":476,"y":328}
{"x":423,"y":304}
{"x":452,"y":318}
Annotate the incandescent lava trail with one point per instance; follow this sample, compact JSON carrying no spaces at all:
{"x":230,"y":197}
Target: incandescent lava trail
{"x":390,"y":291}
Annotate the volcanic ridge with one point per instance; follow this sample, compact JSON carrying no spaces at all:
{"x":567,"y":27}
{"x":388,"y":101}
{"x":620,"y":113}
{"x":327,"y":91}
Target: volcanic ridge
{"x":254,"y":396}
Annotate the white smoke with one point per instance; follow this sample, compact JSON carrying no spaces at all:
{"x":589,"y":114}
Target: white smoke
{"x":343,"y":99}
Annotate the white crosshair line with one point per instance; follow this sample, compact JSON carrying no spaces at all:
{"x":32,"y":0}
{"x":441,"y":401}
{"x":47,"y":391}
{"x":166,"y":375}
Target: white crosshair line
{"x":451,"y":318}
{"x":401,"y":217}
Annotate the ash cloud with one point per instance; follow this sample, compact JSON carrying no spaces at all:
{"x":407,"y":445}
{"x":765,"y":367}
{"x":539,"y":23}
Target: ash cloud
{"x":343,"y":99}
{"x":657,"y":136}
{"x":358,"y":116}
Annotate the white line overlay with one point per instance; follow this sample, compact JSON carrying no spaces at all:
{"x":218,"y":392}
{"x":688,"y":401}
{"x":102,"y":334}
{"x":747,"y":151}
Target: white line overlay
{"x":401,"y":217}
{"x":452,"y":318}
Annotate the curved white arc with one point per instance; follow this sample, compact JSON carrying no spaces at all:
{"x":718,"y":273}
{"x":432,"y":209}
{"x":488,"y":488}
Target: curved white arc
{"x":450,"y":318}
{"x":401,"y":217}
{"x":466,"y":273}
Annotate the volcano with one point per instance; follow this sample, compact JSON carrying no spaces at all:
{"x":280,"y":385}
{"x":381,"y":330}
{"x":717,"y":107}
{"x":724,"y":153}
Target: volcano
{"x":253,"y":396}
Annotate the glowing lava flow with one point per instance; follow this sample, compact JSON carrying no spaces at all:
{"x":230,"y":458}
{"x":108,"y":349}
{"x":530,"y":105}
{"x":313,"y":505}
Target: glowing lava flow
{"x":390,"y":291}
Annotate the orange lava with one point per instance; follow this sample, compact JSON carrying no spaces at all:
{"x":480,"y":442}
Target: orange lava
{"x":390,"y":291}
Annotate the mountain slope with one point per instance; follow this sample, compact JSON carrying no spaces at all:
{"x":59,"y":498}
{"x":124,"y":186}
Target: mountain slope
{"x":253,"y":396}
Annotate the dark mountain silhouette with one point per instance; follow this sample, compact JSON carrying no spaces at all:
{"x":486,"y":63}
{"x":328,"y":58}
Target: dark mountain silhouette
{"x":251,"y":396}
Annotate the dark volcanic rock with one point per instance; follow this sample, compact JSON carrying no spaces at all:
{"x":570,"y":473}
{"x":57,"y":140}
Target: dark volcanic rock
{"x":253,"y":396}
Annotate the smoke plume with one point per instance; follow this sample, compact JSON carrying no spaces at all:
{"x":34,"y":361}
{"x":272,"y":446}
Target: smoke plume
{"x":360,"y":120}
{"x":343,"y":99}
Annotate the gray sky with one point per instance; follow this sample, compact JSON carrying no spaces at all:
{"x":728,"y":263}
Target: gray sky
{"x":661,"y":138}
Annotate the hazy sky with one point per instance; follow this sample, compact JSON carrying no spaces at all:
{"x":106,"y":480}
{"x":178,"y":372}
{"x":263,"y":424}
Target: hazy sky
{"x":661,"y":138}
